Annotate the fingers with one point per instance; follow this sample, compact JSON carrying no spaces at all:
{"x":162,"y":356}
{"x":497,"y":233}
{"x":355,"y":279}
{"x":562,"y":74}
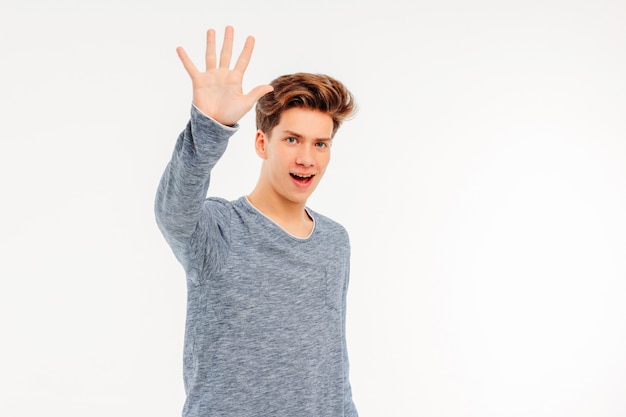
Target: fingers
{"x":210,"y":56}
{"x":246,"y":53}
{"x":189,"y":66}
{"x":227,"y":47}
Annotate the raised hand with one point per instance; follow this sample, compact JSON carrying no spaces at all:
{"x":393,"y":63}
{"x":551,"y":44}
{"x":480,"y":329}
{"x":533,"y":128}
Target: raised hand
{"x":218,"y":91}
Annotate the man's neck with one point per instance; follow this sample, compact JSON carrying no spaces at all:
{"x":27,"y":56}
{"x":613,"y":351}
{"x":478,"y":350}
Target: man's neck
{"x":289,"y":215}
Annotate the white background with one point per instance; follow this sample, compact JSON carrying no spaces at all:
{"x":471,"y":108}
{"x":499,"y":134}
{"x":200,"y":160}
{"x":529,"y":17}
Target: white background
{"x":483,"y":183}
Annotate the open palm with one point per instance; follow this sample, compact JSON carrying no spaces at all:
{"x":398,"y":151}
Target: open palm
{"x":218,"y":92}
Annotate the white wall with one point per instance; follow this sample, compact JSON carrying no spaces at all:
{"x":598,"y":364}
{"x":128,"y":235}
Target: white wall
{"x":483,"y":183}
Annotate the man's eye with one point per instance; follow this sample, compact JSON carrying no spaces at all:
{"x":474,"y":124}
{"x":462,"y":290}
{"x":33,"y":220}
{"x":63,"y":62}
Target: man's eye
{"x":291,"y":140}
{"x":321,"y":144}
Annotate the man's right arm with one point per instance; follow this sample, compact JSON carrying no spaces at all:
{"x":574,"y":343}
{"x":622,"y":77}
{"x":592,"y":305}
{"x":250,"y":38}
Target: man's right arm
{"x":219,"y":102}
{"x":183,"y":187}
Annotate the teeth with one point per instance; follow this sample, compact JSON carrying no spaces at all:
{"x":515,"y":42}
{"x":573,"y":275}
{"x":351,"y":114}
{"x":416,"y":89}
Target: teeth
{"x":302,"y":176}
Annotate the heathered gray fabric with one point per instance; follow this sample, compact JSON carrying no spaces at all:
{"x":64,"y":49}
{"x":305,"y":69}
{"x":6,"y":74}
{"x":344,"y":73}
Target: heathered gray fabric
{"x":265,"y":330}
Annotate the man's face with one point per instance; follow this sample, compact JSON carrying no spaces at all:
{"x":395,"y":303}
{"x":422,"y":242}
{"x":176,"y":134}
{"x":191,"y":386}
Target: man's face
{"x":296,"y":153}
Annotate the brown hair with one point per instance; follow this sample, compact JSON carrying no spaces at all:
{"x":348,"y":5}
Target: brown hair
{"x":312,"y":91}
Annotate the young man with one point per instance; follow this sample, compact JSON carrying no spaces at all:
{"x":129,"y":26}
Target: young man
{"x":266,"y":276}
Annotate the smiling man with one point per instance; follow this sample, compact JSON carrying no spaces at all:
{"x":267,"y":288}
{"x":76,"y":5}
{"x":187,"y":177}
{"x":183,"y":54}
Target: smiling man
{"x":266,"y":276}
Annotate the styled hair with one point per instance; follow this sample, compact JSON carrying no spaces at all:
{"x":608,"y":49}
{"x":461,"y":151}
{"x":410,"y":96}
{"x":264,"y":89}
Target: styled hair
{"x":304,"y":90}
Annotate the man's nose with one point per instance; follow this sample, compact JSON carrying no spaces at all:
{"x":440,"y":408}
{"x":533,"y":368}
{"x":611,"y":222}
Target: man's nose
{"x":305,"y":157}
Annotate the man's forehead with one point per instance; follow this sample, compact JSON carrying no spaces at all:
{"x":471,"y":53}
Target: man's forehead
{"x":305,"y":123}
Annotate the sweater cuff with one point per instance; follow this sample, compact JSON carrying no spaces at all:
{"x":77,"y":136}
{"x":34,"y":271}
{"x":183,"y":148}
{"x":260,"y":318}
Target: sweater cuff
{"x":199,"y":117}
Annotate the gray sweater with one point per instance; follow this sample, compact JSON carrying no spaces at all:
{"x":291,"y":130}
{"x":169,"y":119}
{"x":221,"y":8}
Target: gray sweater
{"x":265,"y":330}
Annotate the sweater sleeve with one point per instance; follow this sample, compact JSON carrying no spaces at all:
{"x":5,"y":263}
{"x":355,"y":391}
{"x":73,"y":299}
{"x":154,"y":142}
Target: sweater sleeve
{"x":180,"y":199}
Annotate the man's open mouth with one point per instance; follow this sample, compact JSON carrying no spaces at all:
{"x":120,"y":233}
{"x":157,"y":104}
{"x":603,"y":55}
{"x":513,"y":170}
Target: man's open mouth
{"x":302,"y":179}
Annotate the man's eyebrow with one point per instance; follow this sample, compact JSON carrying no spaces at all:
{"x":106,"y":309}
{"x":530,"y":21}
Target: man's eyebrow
{"x":299,"y":136}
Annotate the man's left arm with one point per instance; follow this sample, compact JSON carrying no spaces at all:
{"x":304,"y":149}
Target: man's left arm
{"x":349,"y":408}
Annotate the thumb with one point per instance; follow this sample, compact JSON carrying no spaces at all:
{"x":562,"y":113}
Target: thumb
{"x":259,"y":91}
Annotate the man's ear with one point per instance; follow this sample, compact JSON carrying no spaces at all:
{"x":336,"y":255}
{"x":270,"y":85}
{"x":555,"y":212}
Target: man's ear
{"x":260,"y":144}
